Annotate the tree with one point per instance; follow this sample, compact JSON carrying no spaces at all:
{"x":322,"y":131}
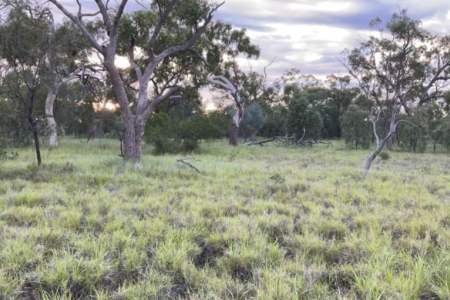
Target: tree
{"x":303,"y":119}
{"x":243,"y":88}
{"x":24,"y":46}
{"x":68,"y":58}
{"x":160,"y":29}
{"x":399,"y":70}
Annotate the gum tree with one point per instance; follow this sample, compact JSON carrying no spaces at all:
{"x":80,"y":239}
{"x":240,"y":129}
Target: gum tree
{"x":171,"y":27}
{"x":243,"y":88}
{"x":401,"y":68}
{"x":68,"y":58}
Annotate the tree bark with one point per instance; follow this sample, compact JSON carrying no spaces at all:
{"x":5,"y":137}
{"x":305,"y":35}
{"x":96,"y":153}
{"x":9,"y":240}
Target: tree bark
{"x":131,"y":145}
{"x":50,"y":100}
{"x":234,"y":129}
{"x":372,"y":157}
{"x":234,"y":135}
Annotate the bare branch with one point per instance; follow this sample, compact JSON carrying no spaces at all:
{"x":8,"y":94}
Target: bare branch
{"x":80,"y":25}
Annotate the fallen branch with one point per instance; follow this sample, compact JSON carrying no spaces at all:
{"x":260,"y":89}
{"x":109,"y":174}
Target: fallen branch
{"x":185,"y":161}
{"x":261,"y":143}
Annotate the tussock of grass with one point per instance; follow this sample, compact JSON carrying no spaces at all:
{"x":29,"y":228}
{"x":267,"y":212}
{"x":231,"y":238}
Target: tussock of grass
{"x":256,"y":223}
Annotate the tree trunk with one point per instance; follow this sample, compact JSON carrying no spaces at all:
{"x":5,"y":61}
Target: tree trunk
{"x":37,"y":145}
{"x":234,"y":135}
{"x":131,"y":144}
{"x":392,"y":129}
{"x":372,"y":157}
{"x":234,"y":130}
{"x":51,"y":96}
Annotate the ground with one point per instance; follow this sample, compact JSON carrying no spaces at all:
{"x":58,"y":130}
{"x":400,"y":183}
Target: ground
{"x":255,"y":223}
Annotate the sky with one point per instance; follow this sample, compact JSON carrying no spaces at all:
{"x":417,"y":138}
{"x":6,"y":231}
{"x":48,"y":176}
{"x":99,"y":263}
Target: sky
{"x":311,"y":34}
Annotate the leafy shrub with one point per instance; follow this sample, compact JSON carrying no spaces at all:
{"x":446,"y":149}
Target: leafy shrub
{"x":385,"y":156}
{"x":416,"y":133}
{"x":302,"y":116}
{"x":253,"y":121}
{"x":442,"y":132}
{"x":173,"y":135}
{"x":276,"y":124}
{"x":3,"y":153}
{"x":278,"y":178}
{"x":356,"y":128}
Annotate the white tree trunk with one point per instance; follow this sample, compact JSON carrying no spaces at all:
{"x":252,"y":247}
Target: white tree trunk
{"x":50,"y":100}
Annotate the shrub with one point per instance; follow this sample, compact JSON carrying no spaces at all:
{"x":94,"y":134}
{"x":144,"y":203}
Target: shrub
{"x":302,"y":116}
{"x":3,"y":152}
{"x":356,"y":128}
{"x":385,"y":156}
{"x":173,"y":135}
{"x":253,"y":121}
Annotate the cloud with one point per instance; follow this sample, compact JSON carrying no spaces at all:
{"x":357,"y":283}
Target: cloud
{"x":310,"y":34}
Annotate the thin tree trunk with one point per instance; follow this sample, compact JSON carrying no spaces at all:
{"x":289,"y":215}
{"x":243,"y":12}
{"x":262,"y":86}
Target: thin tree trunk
{"x":372,"y":157}
{"x":37,"y":144}
{"x":50,"y":100}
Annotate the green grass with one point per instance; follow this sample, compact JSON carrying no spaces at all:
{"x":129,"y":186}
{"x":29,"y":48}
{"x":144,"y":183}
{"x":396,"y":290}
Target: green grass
{"x":256,"y":223}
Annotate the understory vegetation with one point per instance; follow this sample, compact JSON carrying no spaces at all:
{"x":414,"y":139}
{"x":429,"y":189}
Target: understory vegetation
{"x":255,"y":223}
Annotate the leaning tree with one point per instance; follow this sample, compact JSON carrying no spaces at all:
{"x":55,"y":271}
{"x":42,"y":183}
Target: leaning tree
{"x":169,"y":28}
{"x":401,"y":68}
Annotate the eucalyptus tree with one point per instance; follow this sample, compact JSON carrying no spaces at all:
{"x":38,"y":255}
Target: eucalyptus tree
{"x":163,"y":29}
{"x":244,"y":88}
{"x":401,"y":68}
{"x":24,"y":46}
{"x":68,"y":58}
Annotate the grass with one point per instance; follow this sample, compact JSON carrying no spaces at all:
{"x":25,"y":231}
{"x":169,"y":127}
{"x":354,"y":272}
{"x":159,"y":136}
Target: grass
{"x":256,"y":223}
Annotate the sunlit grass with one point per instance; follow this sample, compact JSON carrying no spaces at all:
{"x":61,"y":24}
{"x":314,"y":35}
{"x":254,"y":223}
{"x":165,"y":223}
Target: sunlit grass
{"x":256,"y":223}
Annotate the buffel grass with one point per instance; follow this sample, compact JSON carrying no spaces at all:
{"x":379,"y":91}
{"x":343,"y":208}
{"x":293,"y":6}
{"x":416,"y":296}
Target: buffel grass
{"x":255,"y":223}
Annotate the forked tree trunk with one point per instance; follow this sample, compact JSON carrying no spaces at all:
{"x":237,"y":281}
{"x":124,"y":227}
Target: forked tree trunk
{"x":49,"y":102}
{"x":380,"y":144}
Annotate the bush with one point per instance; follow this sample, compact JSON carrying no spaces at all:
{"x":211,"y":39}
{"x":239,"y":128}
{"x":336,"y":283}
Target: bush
{"x":3,"y":153}
{"x":173,"y":135}
{"x":276,"y":124}
{"x":385,"y":156}
{"x":303,"y":117}
{"x":253,"y":120}
{"x":442,"y":132}
{"x":356,"y":128}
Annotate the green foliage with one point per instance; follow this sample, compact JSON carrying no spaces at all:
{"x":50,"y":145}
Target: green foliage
{"x":13,"y":126}
{"x":442,"y":132}
{"x":302,"y":116}
{"x":357,"y":129}
{"x":385,"y":156}
{"x":3,"y":152}
{"x":420,"y":128}
{"x":169,"y":134}
{"x":276,"y":122}
{"x":278,"y":178}
{"x":253,"y":120}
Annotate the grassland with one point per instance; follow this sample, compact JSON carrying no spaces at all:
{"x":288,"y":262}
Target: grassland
{"x":256,"y":223}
